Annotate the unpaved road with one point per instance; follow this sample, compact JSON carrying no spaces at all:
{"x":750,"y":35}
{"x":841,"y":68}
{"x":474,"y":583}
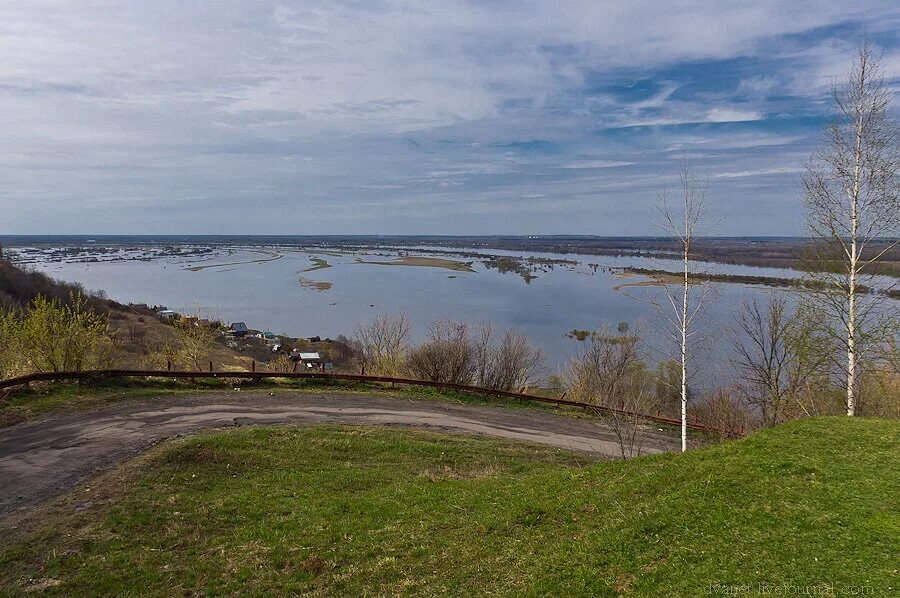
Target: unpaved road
{"x":43,"y":457}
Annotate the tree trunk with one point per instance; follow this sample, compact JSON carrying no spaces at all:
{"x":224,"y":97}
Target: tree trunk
{"x":684,"y":323}
{"x":854,"y":265}
{"x":852,"y":367}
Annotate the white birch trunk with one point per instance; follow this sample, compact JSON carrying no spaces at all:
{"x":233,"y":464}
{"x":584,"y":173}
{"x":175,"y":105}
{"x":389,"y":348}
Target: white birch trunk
{"x":684,"y":321}
{"x":854,"y":266}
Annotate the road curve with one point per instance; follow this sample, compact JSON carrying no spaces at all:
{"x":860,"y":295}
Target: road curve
{"x":43,"y":457}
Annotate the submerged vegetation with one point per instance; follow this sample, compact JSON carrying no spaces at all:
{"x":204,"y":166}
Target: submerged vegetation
{"x":504,"y":264}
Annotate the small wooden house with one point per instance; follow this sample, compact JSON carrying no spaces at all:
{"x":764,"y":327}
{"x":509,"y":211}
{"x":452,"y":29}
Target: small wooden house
{"x":310,"y":360}
{"x":238,"y":329}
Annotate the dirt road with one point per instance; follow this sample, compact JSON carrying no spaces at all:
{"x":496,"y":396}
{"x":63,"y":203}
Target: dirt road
{"x":43,"y":457}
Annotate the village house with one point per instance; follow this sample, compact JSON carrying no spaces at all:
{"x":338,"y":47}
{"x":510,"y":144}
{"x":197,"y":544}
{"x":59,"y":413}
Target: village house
{"x":238,"y":329}
{"x":167,"y":315}
{"x":311,"y":360}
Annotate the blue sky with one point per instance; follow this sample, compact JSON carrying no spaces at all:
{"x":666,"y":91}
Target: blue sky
{"x":444,"y":116}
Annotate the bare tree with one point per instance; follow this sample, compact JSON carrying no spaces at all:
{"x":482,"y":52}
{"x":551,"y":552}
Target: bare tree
{"x":447,"y":355}
{"x":483,"y":340}
{"x":853,"y":214}
{"x":610,"y":373}
{"x":683,"y":224}
{"x":516,"y":362}
{"x":774,"y":360}
{"x":381,"y":345}
{"x":600,"y":372}
{"x":511,"y":363}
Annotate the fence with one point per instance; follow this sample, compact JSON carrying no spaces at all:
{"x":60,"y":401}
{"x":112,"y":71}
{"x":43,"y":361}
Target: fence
{"x":255,"y":375}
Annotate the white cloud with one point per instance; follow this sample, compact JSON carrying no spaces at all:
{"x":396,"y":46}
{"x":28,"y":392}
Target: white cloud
{"x":596,"y":164}
{"x":269,"y":105}
{"x":761,"y":172}
{"x":727,"y":115}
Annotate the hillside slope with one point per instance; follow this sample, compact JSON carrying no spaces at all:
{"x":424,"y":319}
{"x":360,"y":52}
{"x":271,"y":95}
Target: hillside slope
{"x":137,"y":330}
{"x":351,"y":511}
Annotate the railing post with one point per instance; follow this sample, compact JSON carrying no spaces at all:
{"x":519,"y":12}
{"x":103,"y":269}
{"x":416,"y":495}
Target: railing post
{"x":210,"y":366}
{"x":253,"y":365}
{"x":169,"y":365}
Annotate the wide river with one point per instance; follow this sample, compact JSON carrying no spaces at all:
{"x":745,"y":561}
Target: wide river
{"x":270,"y":288}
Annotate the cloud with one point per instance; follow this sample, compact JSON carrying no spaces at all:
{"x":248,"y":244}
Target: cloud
{"x":596,"y":164}
{"x":761,"y":172}
{"x":726,"y":115}
{"x":403,"y":117}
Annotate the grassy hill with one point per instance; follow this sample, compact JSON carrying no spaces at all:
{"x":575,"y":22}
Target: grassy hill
{"x":356,"y":511}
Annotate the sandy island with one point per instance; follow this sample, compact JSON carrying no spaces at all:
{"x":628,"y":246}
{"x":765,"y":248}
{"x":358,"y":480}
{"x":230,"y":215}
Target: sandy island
{"x":427,"y":262}
{"x":319,"y":285}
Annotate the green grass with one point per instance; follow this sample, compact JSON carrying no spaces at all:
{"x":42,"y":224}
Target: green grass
{"x":360,"y":511}
{"x":46,"y":398}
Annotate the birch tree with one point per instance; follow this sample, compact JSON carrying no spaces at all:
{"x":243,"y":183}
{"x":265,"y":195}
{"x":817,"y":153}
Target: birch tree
{"x":683,"y":222}
{"x":853,"y":214}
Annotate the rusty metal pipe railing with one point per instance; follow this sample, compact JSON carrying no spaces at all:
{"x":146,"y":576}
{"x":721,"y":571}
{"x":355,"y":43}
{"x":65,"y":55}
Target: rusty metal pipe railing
{"x":256,"y":375}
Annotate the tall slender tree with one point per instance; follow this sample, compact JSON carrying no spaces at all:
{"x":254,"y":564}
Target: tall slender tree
{"x":853,"y":214}
{"x":682,"y":222}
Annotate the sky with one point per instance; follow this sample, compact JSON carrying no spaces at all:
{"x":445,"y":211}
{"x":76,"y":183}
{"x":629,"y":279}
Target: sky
{"x":431,"y":117}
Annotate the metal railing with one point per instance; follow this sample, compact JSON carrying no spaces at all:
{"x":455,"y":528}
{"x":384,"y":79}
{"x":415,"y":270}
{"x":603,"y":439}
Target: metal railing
{"x":255,"y":375}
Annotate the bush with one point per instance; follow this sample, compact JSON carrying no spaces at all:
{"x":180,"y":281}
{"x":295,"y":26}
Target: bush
{"x":50,"y":336}
{"x":447,"y":355}
{"x":381,"y":346}
{"x":610,"y":372}
{"x":454,"y":354}
{"x":512,"y":364}
{"x":724,"y":412}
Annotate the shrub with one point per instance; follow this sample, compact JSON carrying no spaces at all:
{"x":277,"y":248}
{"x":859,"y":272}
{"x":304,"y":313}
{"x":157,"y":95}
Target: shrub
{"x":447,"y":355}
{"x":381,"y":346}
{"x":50,"y":336}
{"x":511,"y":364}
